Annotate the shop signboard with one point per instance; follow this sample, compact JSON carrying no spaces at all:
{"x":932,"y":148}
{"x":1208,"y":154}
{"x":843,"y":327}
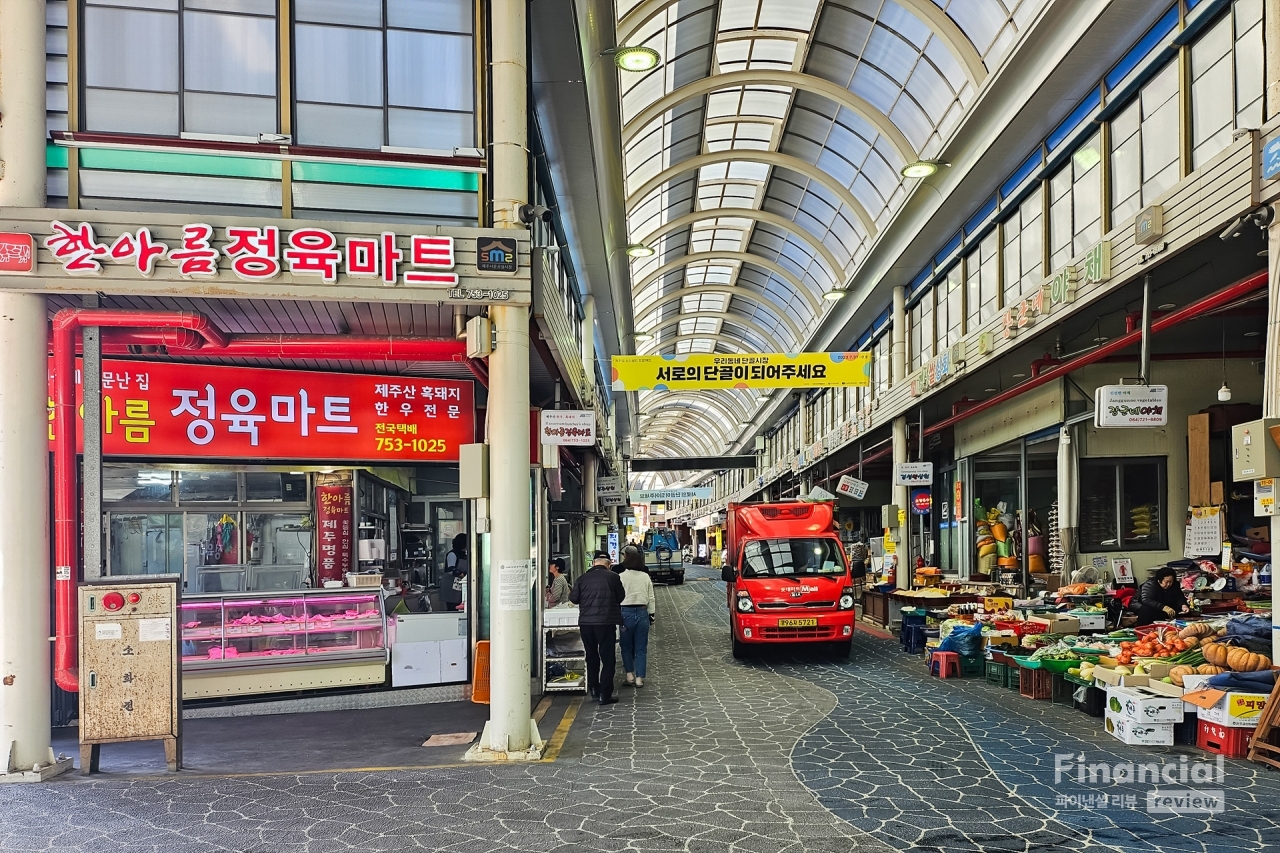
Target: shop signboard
{"x":610,"y":491}
{"x":571,"y":427}
{"x":167,"y":254}
{"x":852,"y":487}
{"x":700,"y":372}
{"x":921,"y":501}
{"x":172,"y":410}
{"x":649,"y":496}
{"x":1131,"y":406}
{"x":1271,"y":158}
{"x":334,"y":531}
{"x":1122,"y":569}
{"x":913,"y":473}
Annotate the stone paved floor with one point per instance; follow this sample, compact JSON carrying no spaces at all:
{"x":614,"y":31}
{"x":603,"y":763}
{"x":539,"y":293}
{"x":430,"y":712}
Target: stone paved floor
{"x":789,"y":752}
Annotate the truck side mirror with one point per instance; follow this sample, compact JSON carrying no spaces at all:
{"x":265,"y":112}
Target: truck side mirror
{"x":727,"y":574}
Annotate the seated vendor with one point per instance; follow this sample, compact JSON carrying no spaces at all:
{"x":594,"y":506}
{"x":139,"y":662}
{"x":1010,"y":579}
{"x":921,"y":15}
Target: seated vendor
{"x":1160,"y":598}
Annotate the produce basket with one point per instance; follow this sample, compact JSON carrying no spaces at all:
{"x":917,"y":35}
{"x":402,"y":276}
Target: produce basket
{"x":1061,"y":666}
{"x":1025,"y":663}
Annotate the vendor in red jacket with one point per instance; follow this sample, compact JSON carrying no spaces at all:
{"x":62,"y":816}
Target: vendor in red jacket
{"x":599,"y":594}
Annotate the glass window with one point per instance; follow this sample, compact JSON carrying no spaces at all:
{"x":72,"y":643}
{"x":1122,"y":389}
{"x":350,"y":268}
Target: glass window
{"x":154,"y":68}
{"x":207,"y":486}
{"x":764,"y":558}
{"x":1226,"y":79}
{"x":280,"y":547}
{"x":1024,"y":248}
{"x":1123,"y":504}
{"x":402,"y":76}
{"x":136,"y":484}
{"x":145,"y":544}
{"x":950,"y":319}
{"x":265,"y":486}
{"x":982,"y":285}
{"x":881,"y":350}
{"x":1075,"y":204}
{"x":1144,"y":146}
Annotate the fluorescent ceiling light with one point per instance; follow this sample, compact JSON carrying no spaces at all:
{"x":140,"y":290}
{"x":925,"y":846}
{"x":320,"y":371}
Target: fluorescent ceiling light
{"x":639,"y":250}
{"x":833,"y":295}
{"x":921,"y":168}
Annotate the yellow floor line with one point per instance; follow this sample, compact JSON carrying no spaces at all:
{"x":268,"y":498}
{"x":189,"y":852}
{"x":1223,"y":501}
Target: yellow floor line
{"x":541,"y":711}
{"x":562,"y":730}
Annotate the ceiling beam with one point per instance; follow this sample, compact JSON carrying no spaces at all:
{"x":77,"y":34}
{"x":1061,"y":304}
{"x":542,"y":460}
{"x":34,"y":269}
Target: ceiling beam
{"x":756,"y":260}
{"x":770,"y":77}
{"x":772,"y":159}
{"x":693,"y":463}
{"x":732,"y":293}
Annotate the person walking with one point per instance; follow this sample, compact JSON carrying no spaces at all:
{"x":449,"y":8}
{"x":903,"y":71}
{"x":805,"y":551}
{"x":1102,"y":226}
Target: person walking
{"x":456,"y":569}
{"x":639,"y":608}
{"x":599,"y":594}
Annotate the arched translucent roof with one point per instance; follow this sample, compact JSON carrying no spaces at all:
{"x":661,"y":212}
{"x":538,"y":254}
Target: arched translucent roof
{"x":762,"y":158}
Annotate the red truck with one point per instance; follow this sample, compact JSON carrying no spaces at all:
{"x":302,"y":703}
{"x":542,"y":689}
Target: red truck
{"x":787,"y":576}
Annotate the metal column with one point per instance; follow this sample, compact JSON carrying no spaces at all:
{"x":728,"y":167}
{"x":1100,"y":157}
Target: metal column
{"x":91,"y":479}
{"x":1271,"y":387}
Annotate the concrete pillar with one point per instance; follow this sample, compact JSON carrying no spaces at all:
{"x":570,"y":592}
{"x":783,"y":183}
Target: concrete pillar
{"x":509,"y":732}
{"x":589,"y":344}
{"x":25,"y":676}
{"x":1271,"y":389}
{"x":897,"y":375}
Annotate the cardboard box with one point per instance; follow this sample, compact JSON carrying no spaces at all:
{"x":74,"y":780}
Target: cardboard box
{"x":1108,"y":676}
{"x":1235,"y":710}
{"x":1144,"y":705}
{"x":1131,"y":732}
{"x":995,"y":641}
{"x":1091,"y":621}
{"x":996,"y":603}
{"x":1057,"y":623}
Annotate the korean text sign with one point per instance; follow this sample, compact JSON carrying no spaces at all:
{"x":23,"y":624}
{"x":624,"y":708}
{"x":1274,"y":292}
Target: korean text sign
{"x":699,"y":372}
{"x":175,"y":410}
{"x":335,"y":530}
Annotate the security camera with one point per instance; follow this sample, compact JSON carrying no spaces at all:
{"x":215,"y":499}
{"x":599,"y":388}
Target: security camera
{"x":1233,"y":230}
{"x":530,"y":213}
{"x":1262,"y":217}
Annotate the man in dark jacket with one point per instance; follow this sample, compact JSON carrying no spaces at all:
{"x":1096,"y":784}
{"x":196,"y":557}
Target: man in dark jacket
{"x":599,"y":594}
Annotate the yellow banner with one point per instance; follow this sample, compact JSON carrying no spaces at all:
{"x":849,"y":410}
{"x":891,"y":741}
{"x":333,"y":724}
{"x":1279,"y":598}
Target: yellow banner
{"x":700,"y":371}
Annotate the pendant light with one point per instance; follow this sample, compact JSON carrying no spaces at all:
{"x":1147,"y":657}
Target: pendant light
{"x":1224,"y":393}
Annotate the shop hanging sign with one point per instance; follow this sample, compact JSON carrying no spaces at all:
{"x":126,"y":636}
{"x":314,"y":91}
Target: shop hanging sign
{"x":913,"y":473}
{"x":334,"y":531}
{"x":1131,"y":406}
{"x":571,"y":427}
{"x":649,"y":496}
{"x":610,"y":491}
{"x":700,"y":372}
{"x":852,"y":487}
{"x":172,"y":410}
{"x":240,"y":256}
{"x":921,"y":501}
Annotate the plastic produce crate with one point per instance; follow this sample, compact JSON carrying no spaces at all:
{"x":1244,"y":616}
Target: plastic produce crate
{"x":1095,"y":702}
{"x":971,"y":666}
{"x":1035,"y":683}
{"x":1062,"y":692}
{"x":997,"y":673}
{"x":1227,"y":741}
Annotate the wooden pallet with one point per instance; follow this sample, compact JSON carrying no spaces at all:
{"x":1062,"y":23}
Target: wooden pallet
{"x":1264,"y":747}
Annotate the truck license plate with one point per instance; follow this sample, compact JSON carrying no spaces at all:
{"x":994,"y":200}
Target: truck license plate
{"x":797,"y":623}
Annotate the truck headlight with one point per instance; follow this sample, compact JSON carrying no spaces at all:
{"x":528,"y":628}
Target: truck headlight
{"x":745,"y":605}
{"x":846,"y":602}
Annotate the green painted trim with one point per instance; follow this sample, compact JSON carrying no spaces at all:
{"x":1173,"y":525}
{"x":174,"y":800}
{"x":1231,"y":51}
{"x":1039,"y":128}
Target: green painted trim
{"x":385,"y":176}
{"x":132,"y":160}
{"x":55,"y":156}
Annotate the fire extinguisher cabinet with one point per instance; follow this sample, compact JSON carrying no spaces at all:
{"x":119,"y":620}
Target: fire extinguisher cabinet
{"x":130,"y":668}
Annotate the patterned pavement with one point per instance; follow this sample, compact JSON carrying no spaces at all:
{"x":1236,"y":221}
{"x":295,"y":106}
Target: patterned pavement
{"x":787,"y":753}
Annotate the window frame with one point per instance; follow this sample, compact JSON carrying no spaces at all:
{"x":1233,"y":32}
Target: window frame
{"x":1118,"y":464}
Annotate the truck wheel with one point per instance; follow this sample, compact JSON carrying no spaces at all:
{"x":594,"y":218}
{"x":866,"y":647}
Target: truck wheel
{"x":842,"y":648}
{"x":739,"y":649}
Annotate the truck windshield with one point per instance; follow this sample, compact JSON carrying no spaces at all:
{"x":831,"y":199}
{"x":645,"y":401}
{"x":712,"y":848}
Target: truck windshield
{"x":771,"y":558}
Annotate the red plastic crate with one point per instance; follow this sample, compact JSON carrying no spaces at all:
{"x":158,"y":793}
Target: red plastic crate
{"x":1035,"y":683}
{"x":1227,"y":741}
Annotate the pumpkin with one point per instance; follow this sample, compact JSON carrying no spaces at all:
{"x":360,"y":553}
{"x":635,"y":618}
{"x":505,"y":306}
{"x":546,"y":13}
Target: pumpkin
{"x":1197,"y":629}
{"x":1192,"y":642}
{"x":1215,"y":653}
{"x":1243,"y":660}
{"x":1209,"y":669}
{"x":1178,"y":672}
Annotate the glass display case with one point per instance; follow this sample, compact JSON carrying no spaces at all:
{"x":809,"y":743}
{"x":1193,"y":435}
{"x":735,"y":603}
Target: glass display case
{"x":244,"y":629}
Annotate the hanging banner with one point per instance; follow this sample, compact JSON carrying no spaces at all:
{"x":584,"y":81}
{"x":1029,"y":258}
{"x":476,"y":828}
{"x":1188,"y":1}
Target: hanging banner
{"x":648,"y":496}
{"x":170,"y":410}
{"x":699,"y":372}
{"x":334,"y":530}
{"x":1131,"y":406}
{"x":571,"y":427}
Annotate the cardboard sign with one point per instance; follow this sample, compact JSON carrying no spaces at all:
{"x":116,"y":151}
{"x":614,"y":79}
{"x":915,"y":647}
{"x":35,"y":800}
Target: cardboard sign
{"x":913,"y":474}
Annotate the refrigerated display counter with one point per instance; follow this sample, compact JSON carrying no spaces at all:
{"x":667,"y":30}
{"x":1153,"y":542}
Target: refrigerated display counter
{"x":237,"y":644}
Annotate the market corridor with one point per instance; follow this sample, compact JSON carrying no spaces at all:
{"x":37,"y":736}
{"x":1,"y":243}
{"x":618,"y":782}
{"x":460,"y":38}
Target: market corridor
{"x":788,"y":753}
